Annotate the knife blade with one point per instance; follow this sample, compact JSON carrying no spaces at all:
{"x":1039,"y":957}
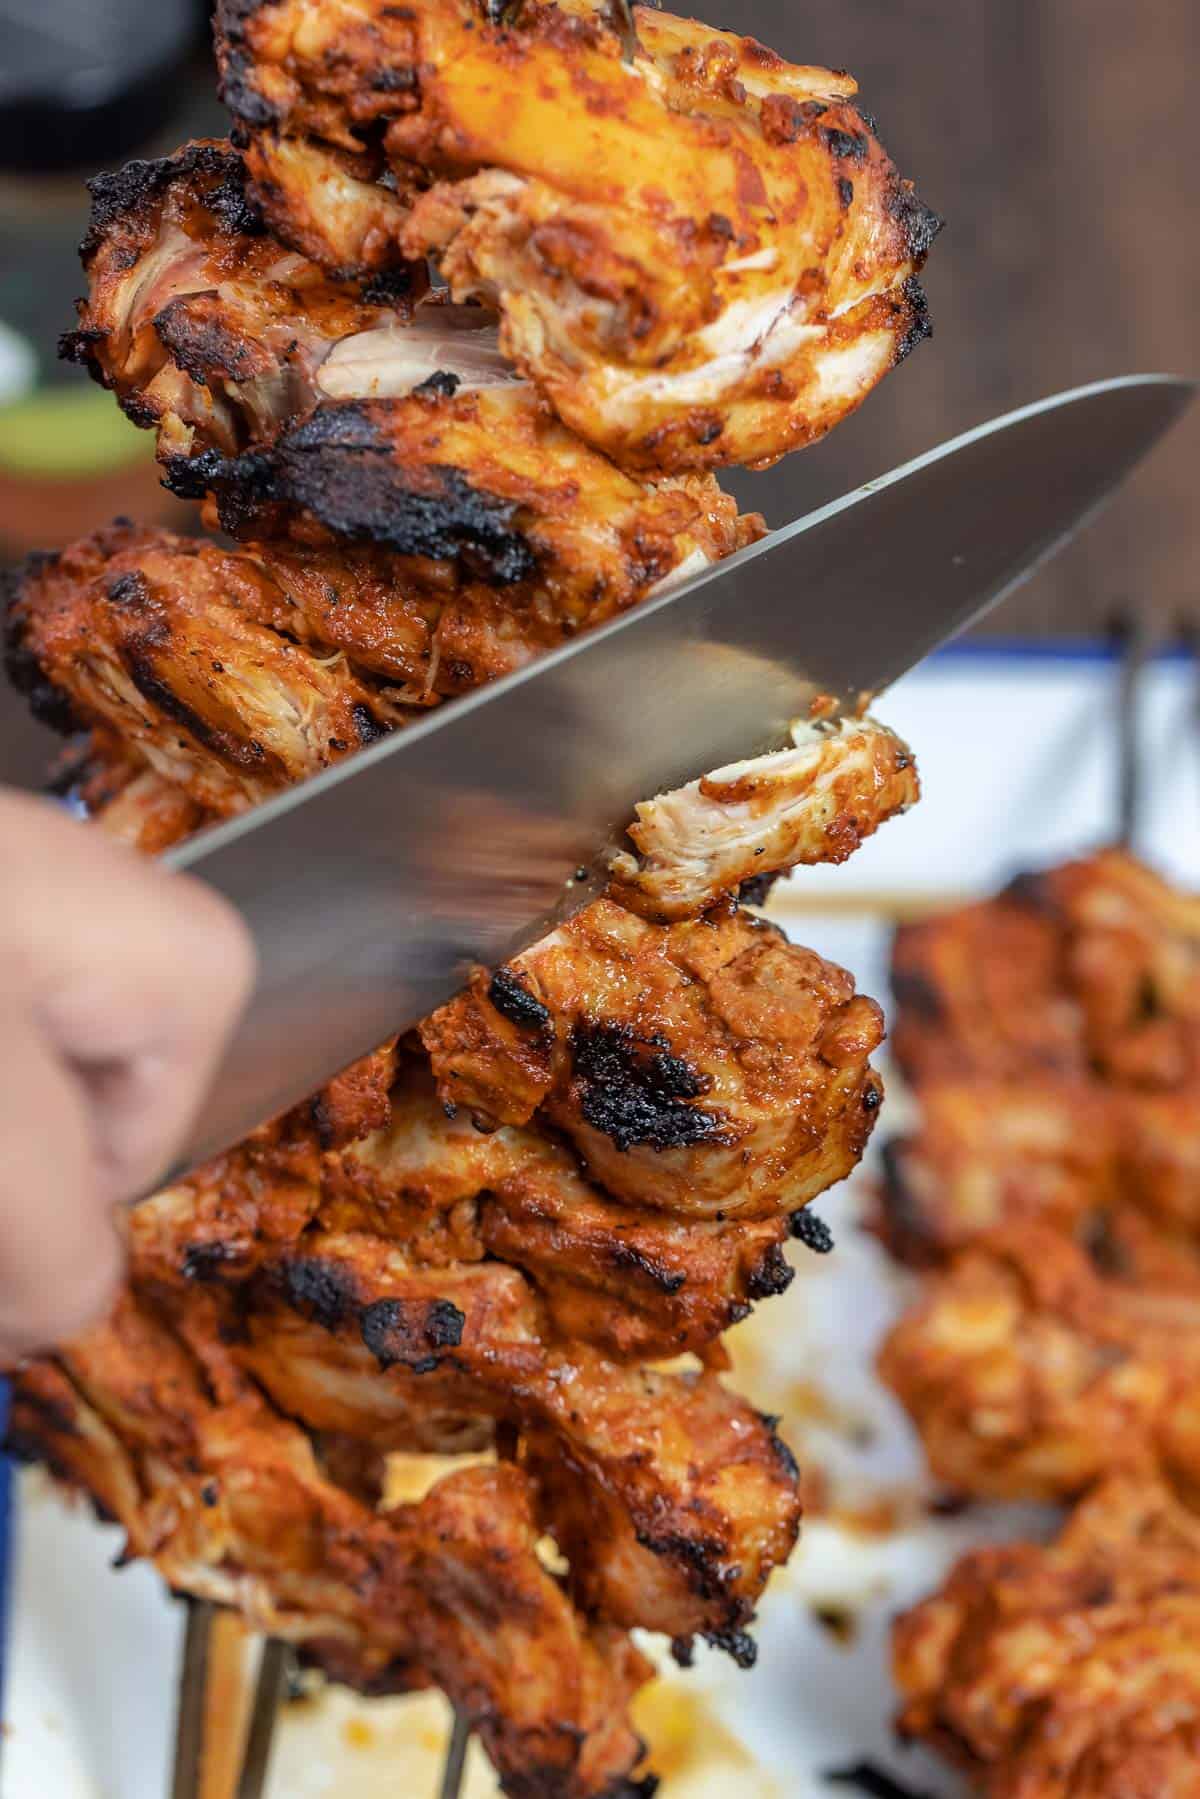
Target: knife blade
{"x":371,"y":890}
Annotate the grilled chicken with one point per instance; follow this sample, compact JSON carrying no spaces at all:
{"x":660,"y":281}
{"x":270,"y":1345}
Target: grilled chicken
{"x":703,"y":1069}
{"x":701,"y":256}
{"x":316,"y":408}
{"x":817,"y":802}
{"x":158,"y":1423}
{"x":1034,"y":1365}
{"x":364,"y":1335}
{"x":471,"y":1249}
{"x":146,"y":634}
{"x":693,"y":1498}
{"x":1090,"y":968}
{"x":204,"y":326}
{"x":233,"y":674}
{"x":634,"y":1283}
{"x":630,"y":1280}
{"x":1067,"y":1672}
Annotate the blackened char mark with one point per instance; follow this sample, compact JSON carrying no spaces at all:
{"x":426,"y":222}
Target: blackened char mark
{"x":49,"y":705}
{"x":218,"y":175}
{"x":631,"y":1260}
{"x":192,"y":329}
{"x":238,"y":88}
{"x":513,"y":1000}
{"x":779,"y":1449}
{"x":637,"y":1093}
{"x":370,"y":730}
{"x":388,"y":287}
{"x":81,"y":347}
{"x":402,"y":1334}
{"x":737,"y":1643}
{"x":920,"y":325}
{"x":813,"y":1232}
{"x":918,"y":222}
{"x":704,"y":1561}
{"x":443,"y":384}
{"x":137,"y":655}
{"x":757,"y":890}
{"x":340,"y":468}
{"x":848,"y":146}
{"x":205,"y":1262}
{"x":320,"y":1291}
{"x":773,"y":1275}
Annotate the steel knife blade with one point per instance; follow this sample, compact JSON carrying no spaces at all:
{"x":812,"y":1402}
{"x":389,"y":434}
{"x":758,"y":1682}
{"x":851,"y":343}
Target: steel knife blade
{"x":371,"y":890}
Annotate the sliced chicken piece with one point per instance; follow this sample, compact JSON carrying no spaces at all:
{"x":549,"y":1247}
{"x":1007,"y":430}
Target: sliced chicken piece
{"x":816,"y":802}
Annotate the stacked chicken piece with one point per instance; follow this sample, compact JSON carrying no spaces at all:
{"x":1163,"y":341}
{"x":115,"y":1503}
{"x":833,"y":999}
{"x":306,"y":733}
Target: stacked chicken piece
{"x":479,"y":1246}
{"x":1053,"y":1189}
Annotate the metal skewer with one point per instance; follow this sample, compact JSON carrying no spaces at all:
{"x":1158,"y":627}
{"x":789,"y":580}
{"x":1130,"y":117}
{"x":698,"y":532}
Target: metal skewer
{"x":188,"y":1770}
{"x":456,"y":1757}
{"x":1134,"y":636}
{"x":260,"y":1734}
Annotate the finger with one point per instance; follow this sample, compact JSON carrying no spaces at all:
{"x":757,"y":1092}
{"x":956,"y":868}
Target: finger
{"x":60,"y":1258}
{"x":135,"y":975}
{"x":144,"y":1034}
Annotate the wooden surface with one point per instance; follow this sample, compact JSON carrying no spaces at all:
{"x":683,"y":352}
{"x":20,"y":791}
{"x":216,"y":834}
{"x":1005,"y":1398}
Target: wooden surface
{"x":1055,"y":138}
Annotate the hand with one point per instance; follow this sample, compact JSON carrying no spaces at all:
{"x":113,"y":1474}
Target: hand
{"x":120,"y":984}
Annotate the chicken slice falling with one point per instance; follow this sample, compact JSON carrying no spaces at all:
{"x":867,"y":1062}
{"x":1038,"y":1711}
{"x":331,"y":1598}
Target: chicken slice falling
{"x":816,"y":802}
{"x":700,"y":256}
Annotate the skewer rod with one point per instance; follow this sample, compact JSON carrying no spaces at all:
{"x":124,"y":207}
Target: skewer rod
{"x":188,"y":1771}
{"x":456,"y":1758}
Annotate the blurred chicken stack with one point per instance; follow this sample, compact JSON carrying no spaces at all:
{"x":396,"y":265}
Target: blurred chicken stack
{"x":389,"y":1376}
{"x":1052,"y":1192}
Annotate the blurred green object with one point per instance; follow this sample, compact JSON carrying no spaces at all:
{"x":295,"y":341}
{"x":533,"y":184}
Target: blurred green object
{"x":68,"y":432}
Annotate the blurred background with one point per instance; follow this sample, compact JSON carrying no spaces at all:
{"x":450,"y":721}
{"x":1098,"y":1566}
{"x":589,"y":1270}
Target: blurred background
{"x":1053,"y":135}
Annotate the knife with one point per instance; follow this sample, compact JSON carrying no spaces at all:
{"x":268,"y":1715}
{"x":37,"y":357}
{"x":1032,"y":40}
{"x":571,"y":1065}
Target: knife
{"x":372,"y":889}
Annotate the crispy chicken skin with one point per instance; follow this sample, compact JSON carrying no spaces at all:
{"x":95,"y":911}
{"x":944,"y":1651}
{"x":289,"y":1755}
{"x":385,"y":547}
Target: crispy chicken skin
{"x":701,"y":256}
{"x":162,"y":638}
{"x":234,"y":673}
{"x":161,"y":1426}
{"x":360,"y":1336}
{"x":306,"y":407}
{"x":629,"y":1280}
{"x":693,"y":1499}
{"x":817,"y":802}
{"x":635,"y":1284}
{"x":206,"y":328}
{"x":1091,"y":968}
{"x":146,"y":634}
{"x":701,"y":1069}
{"x":1070,"y":1671}
{"x":471,"y":484}
{"x":1033,"y":1368}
